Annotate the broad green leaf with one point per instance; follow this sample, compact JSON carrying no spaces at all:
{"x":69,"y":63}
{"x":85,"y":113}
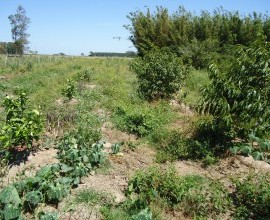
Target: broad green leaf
{"x":9,"y":195}
{"x":65,"y":181}
{"x":33,"y":197}
{"x":65,"y":168}
{"x":234,"y":150}
{"x":11,"y":212}
{"x":246,"y":150}
{"x":48,"y":216}
{"x":144,"y":214}
{"x":257,"y":155}
{"x":45,"y":172}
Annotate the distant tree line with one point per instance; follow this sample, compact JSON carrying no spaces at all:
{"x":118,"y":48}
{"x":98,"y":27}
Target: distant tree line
{"x":196,"y":38}
{"x":113,"y":54}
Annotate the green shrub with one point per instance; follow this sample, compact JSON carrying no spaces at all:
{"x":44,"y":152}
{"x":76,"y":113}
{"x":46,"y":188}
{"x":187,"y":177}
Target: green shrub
{"x":84,"y":75}
{"x":69,"y":89}
{"x":160,"y":74}
{"x":252,"y":196}
{"x":22,"y":124}
{"x":238,"y":97}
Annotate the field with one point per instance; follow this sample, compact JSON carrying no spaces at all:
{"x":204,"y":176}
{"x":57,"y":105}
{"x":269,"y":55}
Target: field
{"x":141,"y":166}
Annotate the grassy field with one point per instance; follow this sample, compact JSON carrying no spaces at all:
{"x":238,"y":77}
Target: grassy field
{"x":143,"y":176}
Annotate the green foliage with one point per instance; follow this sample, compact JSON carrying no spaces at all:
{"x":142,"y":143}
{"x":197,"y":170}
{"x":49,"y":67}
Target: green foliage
{"x":48,"y":216}
{"x":160,"y":74}
{"x":197,"y":196}
{"x":140,"y":119}
{"x":77,"y":156}
{"x":22,"y":125}
{"x":238,"y":98}
{"x":173,"y":146}
{"x":258,"y":148}
{"x":116,"y":147}
{"x":144,"y":214}
{"x":252,"y":197}
{"x":197,"y":38}
{"x":84,"y":75}
{"x":10,"y":203}
{"x":69,"y":90}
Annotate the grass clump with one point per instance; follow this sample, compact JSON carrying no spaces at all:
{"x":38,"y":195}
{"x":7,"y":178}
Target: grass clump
{"x":91,"y":197}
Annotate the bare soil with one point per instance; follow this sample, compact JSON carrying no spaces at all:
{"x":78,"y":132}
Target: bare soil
{"x":34,"y":162}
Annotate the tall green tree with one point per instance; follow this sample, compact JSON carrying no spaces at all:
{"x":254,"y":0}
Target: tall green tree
{"x":19,"y":23}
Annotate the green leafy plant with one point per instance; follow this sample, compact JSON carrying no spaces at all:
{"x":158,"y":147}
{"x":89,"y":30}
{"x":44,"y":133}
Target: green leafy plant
{"x":160,"y":74}
{"x":144,"y":214}
{"x":252,"y":196}
{"x":116,"y":147}
{"x":238,"y":97}
{"x":69,"y":90}
{"x":22,"y":124}
{"x":48,"y":216}
{"x":84,"y":75}
{"x":258,"y":148}
{"x":77,"y":156}
{"x":10,"y":203}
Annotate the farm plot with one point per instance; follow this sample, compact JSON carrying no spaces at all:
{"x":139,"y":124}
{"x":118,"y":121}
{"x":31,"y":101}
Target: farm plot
{"x":100,"y":151}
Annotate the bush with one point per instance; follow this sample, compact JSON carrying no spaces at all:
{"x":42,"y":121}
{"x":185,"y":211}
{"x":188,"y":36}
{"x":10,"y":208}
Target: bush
{"x":252,"y":197}
{"x":22,"y":124}
{"x":160,"y":74}
{"x":238,"y":98}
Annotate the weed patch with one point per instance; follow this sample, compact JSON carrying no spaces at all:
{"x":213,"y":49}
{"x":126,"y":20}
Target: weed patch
{"x":252,"y":197}
{"x":141,"y":119}
{"x":194,"y":195}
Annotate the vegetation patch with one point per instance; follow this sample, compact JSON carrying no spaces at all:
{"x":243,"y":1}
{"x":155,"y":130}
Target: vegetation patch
{"x":194,"y":195}
{"x":52,"y":183}
{"x":141,"y":119}
{"x":252,"y":196}
{"x":22,"y":125}
{"x":160,"y":74}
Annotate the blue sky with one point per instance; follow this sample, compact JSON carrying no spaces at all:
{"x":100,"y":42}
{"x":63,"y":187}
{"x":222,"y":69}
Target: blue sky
{"x":81,"y":26}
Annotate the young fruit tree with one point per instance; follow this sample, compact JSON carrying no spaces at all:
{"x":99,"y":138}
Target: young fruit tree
{"x":19,"y":23}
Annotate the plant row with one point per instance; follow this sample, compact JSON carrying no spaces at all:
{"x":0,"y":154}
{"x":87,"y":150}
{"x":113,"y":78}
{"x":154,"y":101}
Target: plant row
{"x":77,"y":157}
